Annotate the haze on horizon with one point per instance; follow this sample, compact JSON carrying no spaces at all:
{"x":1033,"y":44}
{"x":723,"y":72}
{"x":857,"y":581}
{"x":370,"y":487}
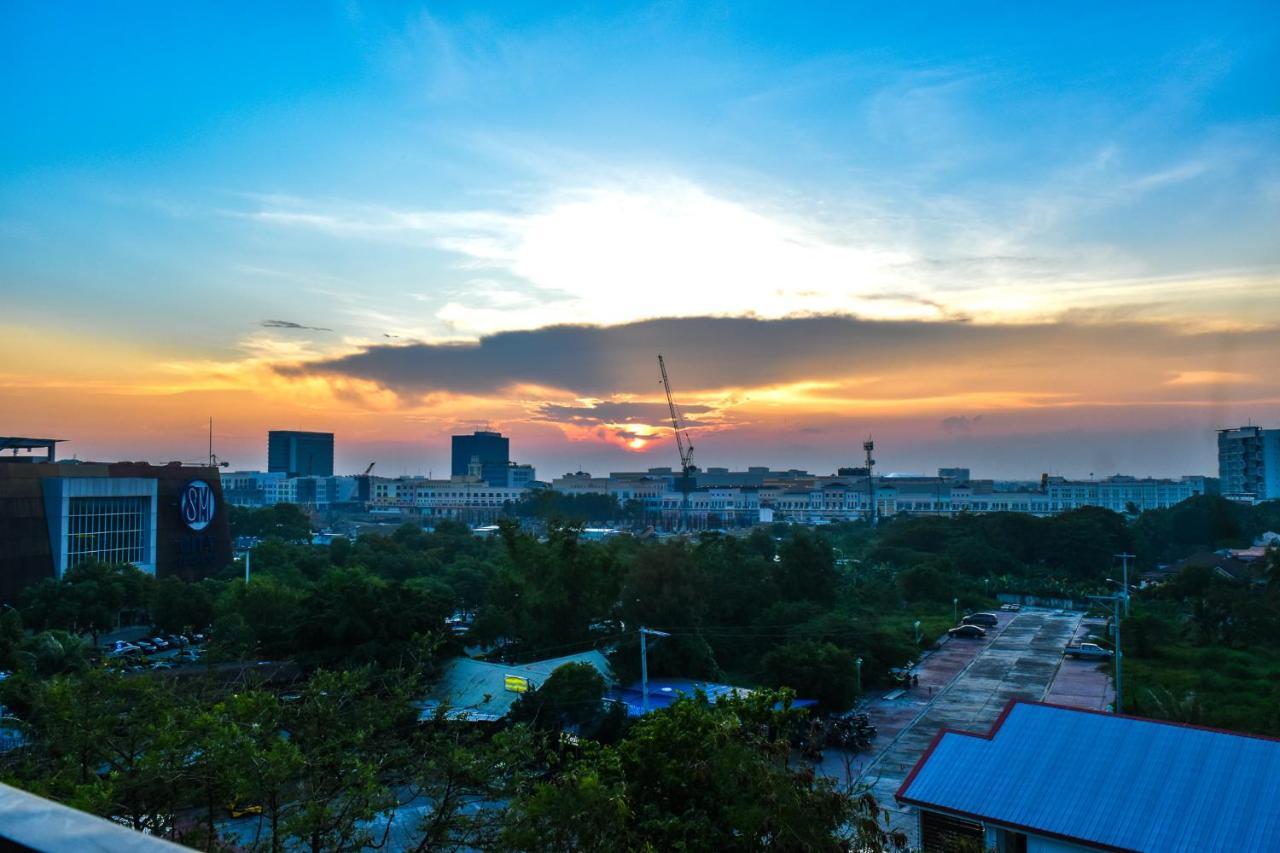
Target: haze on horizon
{"x":1015,"y":240}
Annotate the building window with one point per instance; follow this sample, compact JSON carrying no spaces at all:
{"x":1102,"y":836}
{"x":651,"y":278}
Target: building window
{"x":113,"y":530}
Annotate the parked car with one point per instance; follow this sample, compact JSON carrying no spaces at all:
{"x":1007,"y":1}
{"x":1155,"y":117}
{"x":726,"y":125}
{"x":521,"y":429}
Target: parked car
{"x":988,"y":620}
{"x":161,"y":664}
{"x":968,"y":632}
{"x":1088,"y":650}
{"x":187,"y":656}
{"x":122,"y":649}
{"x":160,"y":643}
{"x":1011,"y":607}
{"x":197,"y":639}
{"x":174,"y":641}
{"x":146,"y":646}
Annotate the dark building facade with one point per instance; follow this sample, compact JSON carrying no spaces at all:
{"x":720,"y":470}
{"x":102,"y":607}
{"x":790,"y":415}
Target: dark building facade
{"x":300,"y":454}
{"x":491,"y":449}
{"x":169,"y":520}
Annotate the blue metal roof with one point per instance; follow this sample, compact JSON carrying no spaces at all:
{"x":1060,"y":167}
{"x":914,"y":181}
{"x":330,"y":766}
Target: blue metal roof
{"x":663,"y":692}
{"x":1111,"y":781}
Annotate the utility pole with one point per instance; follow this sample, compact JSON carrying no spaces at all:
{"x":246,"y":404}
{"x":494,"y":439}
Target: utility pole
{"x":1115,"y":605}
{"x":247,"y":555}
{"x":1124,"y":562}
{"x":644,"y":663}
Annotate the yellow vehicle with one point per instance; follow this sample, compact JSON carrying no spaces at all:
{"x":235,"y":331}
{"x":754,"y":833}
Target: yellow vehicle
{"x":235,"y":809}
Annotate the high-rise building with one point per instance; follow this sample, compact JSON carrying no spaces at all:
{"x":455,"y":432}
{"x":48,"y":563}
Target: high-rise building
{"x":300,"y":454}
{"x":1249,"y":462}
{"x":491,"y":449}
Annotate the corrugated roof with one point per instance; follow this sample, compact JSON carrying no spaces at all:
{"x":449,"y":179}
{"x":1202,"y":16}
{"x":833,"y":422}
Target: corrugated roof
{"x":1111,"y":781}
{"x":476,"y":690}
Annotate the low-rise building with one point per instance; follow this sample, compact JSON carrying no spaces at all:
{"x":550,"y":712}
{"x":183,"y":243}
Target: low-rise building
{"x":1051,"y":778}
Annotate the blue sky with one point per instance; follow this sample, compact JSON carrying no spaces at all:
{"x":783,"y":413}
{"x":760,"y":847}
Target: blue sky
{"x":171,"y":176}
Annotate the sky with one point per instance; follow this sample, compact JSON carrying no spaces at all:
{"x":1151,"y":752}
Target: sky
{"x":1022,"y":238}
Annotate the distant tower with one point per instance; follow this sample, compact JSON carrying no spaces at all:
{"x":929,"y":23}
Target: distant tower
{"x":867,"y":447}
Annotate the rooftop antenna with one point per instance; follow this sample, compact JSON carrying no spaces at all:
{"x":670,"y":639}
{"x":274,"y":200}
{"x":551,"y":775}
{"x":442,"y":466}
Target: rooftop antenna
{"x":213,"y":459}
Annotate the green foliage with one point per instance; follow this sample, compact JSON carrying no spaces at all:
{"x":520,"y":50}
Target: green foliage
{"x":286,"y":522}
{"x":177,"y":606}
{"x":573,"y":695}
{"x":814,"y":670}
{"x":88,"y":599}
{"x":561,"y":508}
{"x":695,"y":776}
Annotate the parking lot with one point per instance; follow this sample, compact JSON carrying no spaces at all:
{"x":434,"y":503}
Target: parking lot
{"x":965,"y":684}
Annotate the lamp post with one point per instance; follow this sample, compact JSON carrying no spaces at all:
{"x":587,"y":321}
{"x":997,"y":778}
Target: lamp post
{"x":644,"y":663}
{"x":955,"y":609}
{"x":1115,"y":604}
{"x":858,"y":663}
{"x":1124,"y":567}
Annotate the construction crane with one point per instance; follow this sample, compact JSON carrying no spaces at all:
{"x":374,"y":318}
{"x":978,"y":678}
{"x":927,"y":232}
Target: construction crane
{"x":683,"y":444}
{"x":368,"y":470}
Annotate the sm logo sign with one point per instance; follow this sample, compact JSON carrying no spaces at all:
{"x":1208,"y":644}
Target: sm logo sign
{"x":197,"y":504}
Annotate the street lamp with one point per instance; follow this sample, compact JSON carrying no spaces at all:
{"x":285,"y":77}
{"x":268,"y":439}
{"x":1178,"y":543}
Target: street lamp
{"x":644,"y":663}
{"x":1115,"y":604}
{"x":1124,"y":563}
{"x":858,"y":664}
{"x":955,"y":609}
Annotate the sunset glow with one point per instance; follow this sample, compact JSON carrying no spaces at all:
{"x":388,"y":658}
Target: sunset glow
{"x":996,"y":262}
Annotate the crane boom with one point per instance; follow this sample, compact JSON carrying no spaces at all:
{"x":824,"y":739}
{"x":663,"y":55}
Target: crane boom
{"x":683,"y":444}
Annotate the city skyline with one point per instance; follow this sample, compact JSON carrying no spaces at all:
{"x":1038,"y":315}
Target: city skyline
{"x":1029,"y":242}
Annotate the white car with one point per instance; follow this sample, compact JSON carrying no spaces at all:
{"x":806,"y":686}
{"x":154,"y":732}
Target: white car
{"x":122,"y":649}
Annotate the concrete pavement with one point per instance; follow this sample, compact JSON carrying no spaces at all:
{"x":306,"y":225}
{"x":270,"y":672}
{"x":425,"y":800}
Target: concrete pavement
{"x":1021,"y":660}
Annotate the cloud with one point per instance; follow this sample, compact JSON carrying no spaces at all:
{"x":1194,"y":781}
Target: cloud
{"x":288,"y":324}
{"x":620,"y":412}
{"x":819,"y":359}
{"x":1210,"y":377}
{"x":960,"y":424}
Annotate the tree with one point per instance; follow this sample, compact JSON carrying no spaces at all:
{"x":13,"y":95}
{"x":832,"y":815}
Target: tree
{"x":806,"y":568}
{"x":177,"y":606}
{"x":814,"y":670}
{"x":571,"y":696}
{"x":344,"y":731}
{"x":286,"y":522}
{"x":717,"y":777}
{"x":88,"y":599}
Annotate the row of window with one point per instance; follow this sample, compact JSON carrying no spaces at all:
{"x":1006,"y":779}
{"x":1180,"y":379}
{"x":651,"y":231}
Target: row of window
{"x":113,"y":530}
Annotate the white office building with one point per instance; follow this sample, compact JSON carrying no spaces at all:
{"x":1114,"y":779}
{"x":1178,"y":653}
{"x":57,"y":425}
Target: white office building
{"x":1249,"y":463}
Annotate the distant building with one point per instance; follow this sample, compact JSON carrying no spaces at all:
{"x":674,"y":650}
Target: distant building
{"x":1129,"y":784}
{"x":491,"y":449}
{"x":467,"y":499}
{"x":521,"y":476}
{"x":300,"y":454}
{"x":259,"y":489}
{"x":1249,"y":463}
{"x":168,"y":520}
{"x":732,"y":499}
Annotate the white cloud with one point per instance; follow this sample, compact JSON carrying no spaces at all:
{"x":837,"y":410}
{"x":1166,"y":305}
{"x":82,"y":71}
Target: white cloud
{"x":631,"y":250}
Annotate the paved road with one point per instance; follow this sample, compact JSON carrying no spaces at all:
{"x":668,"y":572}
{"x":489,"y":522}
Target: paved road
{"x":1020,"y":662}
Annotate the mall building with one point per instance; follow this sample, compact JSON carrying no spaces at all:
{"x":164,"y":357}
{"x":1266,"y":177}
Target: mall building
{"x":168,"y":520}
